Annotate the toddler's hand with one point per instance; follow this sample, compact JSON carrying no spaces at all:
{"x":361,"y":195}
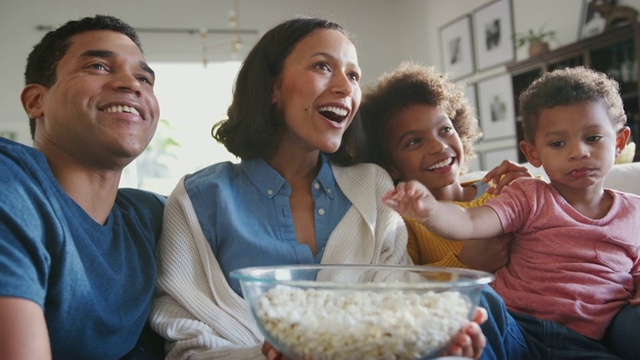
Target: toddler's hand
{"x":410,"y":199}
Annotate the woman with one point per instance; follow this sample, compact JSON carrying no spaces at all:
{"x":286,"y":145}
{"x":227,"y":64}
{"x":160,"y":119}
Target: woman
{"x":295,"y":198}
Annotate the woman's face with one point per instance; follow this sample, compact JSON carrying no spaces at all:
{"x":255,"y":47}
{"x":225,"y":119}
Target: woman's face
{"x":423,"y":145}
{"x":318,"y":91}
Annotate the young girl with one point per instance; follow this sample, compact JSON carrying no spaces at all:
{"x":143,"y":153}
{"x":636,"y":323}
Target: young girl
{"x":574,"y":260}
{"x":420,"y":127}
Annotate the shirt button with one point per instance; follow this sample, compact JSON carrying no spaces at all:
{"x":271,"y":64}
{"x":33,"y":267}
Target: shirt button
{"x":329,"y":191}
{"x":321,"y":211}
{"x":316,"y":185}
{"x":269,"y":192}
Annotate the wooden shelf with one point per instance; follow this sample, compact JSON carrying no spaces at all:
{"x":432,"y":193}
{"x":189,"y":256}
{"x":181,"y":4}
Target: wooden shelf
{"x":605,"y":53}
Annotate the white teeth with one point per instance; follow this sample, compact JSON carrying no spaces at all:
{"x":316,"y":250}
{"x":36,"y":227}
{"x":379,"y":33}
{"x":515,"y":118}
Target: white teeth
{"x":441,"y":164}
{"x":121,"y":108}
{"x":334,"y":109}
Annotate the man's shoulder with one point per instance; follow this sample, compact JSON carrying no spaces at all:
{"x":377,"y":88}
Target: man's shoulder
{"x":12,"y":152}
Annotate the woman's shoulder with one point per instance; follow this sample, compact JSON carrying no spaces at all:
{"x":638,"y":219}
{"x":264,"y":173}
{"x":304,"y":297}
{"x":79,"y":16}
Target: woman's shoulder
{"x":361,"y":168}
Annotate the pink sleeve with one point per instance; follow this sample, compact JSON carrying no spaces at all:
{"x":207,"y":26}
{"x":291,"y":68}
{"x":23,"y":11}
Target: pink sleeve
{"x":514,"y":203}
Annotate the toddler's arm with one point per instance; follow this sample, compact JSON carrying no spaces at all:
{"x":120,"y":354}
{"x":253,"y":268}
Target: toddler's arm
{"x":413,"y":200}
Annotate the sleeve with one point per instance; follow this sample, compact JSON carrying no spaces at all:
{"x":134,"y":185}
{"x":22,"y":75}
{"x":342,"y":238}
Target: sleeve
{"x":390,"y":229}
{"x":24,"y":215}
{"x":426,"y":248}
{"x":195,"y":310}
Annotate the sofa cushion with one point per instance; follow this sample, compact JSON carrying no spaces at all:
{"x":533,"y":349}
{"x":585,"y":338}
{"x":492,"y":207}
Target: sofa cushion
{"x":623,"y":177}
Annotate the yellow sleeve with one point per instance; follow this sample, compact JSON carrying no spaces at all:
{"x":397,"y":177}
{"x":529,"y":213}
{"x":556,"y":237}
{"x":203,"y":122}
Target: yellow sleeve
{"x":427,"y":248}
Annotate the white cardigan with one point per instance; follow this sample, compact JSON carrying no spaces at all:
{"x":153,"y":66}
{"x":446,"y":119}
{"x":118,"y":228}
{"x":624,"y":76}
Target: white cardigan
{"x":198,"y":312}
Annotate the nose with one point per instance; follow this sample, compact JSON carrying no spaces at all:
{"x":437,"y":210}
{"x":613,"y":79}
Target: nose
{"x":126,"y":81}
{"x":436,"y":146}
{"x":341,"y":83}
{"x":578,"y":150}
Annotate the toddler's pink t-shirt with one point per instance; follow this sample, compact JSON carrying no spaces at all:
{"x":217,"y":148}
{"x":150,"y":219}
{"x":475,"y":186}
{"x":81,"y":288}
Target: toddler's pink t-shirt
{"x":564,"y":266}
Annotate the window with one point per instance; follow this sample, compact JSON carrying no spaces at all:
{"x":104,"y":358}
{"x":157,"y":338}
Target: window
{"x":192,"y":99}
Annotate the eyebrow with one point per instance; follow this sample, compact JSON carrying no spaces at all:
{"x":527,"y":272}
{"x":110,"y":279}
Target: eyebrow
{"x":106,"y":54}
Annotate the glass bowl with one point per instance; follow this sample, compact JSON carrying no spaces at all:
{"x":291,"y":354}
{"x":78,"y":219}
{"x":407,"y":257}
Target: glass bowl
{"x":360,"y":311}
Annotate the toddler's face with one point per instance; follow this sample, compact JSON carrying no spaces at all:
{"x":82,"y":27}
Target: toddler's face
{"x":575,"y":144}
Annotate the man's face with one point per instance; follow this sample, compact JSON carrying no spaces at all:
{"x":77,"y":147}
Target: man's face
{"x":101,"y":111}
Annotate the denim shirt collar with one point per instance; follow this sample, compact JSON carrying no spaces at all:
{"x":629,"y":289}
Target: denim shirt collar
{"x":269,"y":182}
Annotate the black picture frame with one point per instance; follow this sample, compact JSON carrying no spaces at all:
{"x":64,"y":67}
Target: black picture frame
{"x":456,"y":47}
{"x":493,"y":34}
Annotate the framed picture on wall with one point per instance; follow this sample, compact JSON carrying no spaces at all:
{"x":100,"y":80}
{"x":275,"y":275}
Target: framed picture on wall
{"x":494,"y":157}
{"x":493,"y":34}
{"x":470,"y":95}
{"x":456,"y":47}
{"x":591,"y":21}
{"x":496,"y":108}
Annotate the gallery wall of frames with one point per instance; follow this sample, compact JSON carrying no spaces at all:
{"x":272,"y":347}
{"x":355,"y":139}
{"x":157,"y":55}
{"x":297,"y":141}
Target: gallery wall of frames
{"x":482,"y":42}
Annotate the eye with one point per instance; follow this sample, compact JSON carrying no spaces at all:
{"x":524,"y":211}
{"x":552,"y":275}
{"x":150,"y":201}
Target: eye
{"x":556,"y":144}
{"x":594,"y":138}
{"x":355,"y":76}
{"x":145,"y":79}
{"x":446,"y":129}
{"x":412,"y":142}
{"x":98,"y":66}
{"x":322,"y":66}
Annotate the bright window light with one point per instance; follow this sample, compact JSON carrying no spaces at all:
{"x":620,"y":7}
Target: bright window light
{"x":192,"y":99}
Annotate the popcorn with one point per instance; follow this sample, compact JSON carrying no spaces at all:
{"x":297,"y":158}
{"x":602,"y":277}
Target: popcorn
{"x":330,"y":324}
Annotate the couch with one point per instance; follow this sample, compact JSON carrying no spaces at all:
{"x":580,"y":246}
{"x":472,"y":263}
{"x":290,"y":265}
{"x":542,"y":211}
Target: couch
{"x":623,"y":177}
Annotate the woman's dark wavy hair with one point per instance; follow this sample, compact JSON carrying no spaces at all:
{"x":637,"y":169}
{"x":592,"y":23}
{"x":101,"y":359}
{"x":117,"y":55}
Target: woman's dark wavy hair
{"x":414,"y":84}
{"x":253,"y":128}
{"x":45,"y":56}
{"x":566,"y":87}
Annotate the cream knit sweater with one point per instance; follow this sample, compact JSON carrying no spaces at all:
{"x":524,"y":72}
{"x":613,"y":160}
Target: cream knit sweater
{"x":203,"y":318}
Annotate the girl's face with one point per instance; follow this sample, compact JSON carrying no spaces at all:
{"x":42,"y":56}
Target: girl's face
{"x":424,"y":146}
{"x":318,"y":91}
{"x":575,"y":144}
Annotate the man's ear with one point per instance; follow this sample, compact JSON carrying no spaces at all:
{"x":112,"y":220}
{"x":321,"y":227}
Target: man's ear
{"x":32,"y":97}
{"x":529,"y":151}
{"x":622,"y":137}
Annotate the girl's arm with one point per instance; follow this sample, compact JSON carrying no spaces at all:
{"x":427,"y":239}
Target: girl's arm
{"x":413,"y":200}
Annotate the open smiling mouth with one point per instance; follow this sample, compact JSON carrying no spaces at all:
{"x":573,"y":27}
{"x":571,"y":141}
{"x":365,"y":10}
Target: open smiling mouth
{"x":334,"y":113}
{"x":441,"y":164}
{"x":121,"y":109}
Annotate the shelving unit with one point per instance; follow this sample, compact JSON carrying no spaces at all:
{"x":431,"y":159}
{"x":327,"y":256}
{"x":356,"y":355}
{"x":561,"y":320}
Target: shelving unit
{"x":614,"y":52}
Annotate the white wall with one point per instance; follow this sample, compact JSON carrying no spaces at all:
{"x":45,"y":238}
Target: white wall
{"x":386,"y":31}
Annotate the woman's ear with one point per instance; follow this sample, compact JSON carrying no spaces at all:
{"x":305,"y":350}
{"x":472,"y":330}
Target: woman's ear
{"x":31,"y":98}
{"x":622,"y":137}
{"x":529,"y":151}
{"x":275,"y":91}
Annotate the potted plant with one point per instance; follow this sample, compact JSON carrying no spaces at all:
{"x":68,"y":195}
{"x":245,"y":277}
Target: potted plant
{"x":538,"y":40}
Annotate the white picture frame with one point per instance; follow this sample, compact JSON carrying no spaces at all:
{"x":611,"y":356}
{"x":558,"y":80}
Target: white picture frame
{"x":496,"y":114}
{"x":493,"y":34}
{"x":456,"y":47}
{"x":493,"y":157}
{"x":470,"y":94}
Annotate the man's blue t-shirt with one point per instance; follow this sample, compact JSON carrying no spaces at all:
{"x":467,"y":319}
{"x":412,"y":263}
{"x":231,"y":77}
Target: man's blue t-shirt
{"x":95,"y":282}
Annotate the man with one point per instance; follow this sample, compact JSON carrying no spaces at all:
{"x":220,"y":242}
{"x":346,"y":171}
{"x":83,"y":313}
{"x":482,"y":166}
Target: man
{"x":77,"y":268}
